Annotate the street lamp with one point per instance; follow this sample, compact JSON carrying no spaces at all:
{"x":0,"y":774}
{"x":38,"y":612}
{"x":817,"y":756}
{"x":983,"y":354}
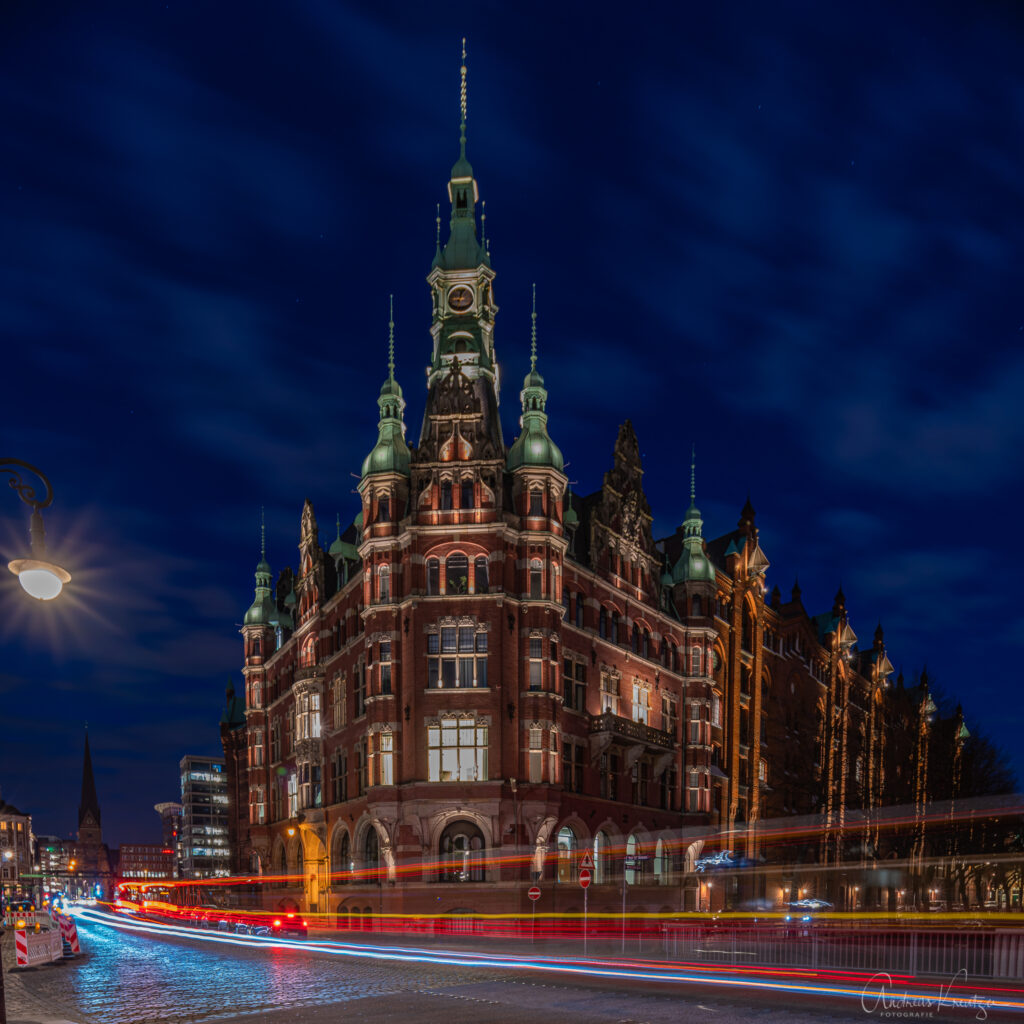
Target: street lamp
{"x":38,"y":577}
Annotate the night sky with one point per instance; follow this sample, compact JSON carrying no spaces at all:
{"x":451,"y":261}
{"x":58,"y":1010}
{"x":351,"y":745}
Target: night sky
{"x":789,"y":234}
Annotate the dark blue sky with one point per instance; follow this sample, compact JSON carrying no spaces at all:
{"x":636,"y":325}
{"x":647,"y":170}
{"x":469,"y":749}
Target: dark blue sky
{"x":789,"y":233}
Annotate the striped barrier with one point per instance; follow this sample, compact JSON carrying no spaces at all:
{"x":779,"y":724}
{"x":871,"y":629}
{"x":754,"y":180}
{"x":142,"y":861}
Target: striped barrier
{"x":69,"y":934}
{"x":33,"y":948}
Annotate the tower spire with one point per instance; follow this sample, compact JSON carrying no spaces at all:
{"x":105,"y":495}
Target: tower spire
{"x":263,"y":534}
{"x":693,"y":474}
{"x":533,"y":331}
{"x":462,"y":102}
{"x":89,"y":804}
{"x":391,"y":337}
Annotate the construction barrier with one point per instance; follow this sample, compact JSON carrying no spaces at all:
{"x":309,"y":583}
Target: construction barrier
{"x":33,"y":948}
{"x":69,"y":934}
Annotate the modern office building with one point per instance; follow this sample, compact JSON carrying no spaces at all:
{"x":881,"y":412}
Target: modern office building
{"x":204,"y":817}
{"x":146,"y":860}
{"x":170,"y":829}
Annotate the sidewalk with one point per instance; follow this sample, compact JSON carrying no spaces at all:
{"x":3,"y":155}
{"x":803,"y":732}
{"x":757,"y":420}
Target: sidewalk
{"x":22,"y":1006}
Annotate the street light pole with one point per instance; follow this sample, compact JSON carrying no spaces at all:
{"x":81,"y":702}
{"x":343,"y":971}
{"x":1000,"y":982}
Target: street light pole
{"x":38,"y":577}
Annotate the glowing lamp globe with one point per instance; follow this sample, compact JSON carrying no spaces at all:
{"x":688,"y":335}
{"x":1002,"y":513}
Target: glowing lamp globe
{"x":41,"y":580}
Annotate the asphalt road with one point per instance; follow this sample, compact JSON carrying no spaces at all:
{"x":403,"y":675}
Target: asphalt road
{"x":128,"y":978}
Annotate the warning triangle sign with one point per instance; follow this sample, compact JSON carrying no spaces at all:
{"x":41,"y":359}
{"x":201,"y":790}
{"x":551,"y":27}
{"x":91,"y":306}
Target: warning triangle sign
{"x":587,"y":861}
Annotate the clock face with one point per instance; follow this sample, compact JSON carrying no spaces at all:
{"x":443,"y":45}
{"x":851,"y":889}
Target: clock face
{"x":460,"y":299}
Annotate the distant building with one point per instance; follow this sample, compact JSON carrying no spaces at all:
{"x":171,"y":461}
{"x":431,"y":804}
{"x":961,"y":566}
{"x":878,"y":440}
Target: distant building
{"x":204,"y":818}
{"x":170,"y":830}
{"x":89,"y":865}
{"x":234,"y":739}
{"x":146,"y":860}
{"x":15,"y":851}
{"x":52,"y":857}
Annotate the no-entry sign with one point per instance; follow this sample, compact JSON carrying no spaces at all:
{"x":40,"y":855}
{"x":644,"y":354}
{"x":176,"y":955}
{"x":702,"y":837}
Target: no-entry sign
{"x":534,"y":893}
{"x":584,"y":877}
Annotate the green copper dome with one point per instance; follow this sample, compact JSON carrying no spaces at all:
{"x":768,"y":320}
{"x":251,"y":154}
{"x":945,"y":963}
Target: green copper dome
{"x":693,"y":564}
{"x":262,"y":608}
{"x":533,"y":447}
{"x":390,"y":454}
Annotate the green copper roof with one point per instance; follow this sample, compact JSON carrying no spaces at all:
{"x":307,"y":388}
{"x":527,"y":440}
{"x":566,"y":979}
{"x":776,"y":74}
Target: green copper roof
{"x":390,"y":454}
{"x":533,"y":447}
{"x":262,"y":607}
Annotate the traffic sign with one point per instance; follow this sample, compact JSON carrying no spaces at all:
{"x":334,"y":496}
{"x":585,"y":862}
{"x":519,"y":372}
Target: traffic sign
{"x":534,"y":893}
{"x":585,"y":877}
{"x":587,"y":861}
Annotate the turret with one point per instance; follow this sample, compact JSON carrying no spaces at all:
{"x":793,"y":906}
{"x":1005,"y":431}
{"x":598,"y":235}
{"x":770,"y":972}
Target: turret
{"x":390,"y":454}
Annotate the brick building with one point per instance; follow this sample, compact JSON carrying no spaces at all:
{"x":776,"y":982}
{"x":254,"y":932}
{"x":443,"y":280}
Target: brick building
{"x":486,"y":664}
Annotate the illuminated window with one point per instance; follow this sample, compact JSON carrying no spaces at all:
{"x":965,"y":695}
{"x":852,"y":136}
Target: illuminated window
{"x":574,"y":684}
{"x":293,"y":794}
{"x":601,"y":873}
{"x":461,"y":850}
{"x":256,"y":748}
{"x":457,"y":750}
{"x":669,"y":714}
{"x":695,"y":661}
{"x":609,"y":693}
{"x":386,"y":744}
{"x":716,"y":711}
{"x":338,"y":695}
{"x":384,"y":584}
{"x":634,"y":863}
{"x":385,"y":667}
{"x":641,"y":704}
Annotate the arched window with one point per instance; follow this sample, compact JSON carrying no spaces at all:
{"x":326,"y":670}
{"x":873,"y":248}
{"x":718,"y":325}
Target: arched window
{"x":602,"y":622}
{"x":342,"y":858}
{"x":579,"y":610}
{"x":645,"y":645}
{"x":615,"y":628}
{"x":635,"y":637}
{"x":480,"y":581}
{"x":308,"y":656}
{"x":601,"y":872}
{"x":536,"y":578}
{"x":433,"y":576}
{"x":673,"y":657}
{"x":466,"y":493}
{"x":384,"y":584}
{"x":371,"y":852}
{"x":446,"y":495}
{"x":456,"y":574}
{"x":462,"y":853}
{"x":663,"y":653}
{"x":566,"y":851}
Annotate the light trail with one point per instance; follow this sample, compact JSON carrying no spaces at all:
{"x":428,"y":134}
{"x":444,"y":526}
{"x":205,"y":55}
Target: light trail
{"x":748,"y":979}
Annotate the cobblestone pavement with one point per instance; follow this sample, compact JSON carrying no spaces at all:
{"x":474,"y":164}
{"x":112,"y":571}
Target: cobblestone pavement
{"x":124,"y":978}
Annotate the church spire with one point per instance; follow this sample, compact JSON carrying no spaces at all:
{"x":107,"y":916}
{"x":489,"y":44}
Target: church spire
{"x":693,"y":563}
{"x":89,"y":807}
{"x":262,"y":608}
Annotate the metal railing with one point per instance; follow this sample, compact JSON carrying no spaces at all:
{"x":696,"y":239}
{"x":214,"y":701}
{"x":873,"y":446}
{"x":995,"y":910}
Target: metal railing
{"x":983,"y":953}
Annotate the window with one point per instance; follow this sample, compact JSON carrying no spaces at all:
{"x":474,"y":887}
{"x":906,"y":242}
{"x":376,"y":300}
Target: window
{"x":536,"y":663}
{"x":762,"y":770}
{"x":566,"y":853}
{"x":314,"y":715}
{"x":660,"y":864}
{"x":385,"y":667}
{"x":615,"y":628}
{"x":609,"y":771}
{"x":572,"y":766}
{"x":574,"y":684}
{"x":433,"y":577}
{"x":536,"y":503}
{"x":386,"y":743}
{"x":362,"y":768}
{"x":338,"y":692}
{"x":446,"y":495}
{"x":634,"y":863}
{"x":609,"y":693}
{"x":640,"y":779}
{"x":260,"y":805}
{"x":669,"y":717}
{"x":536,"y":578}
{"x":384,"y":509}
{"x":360,"y":690}
{"x":602,"y":622}
{"x":716,"y":711}
{"x":536,"y":754}
{"x":641,"y":704}
{"x":635,"y":637}
{"x":480,"y":581}
{"x":275,"y":741}
{"x":601,"y":858}
{"x":695,"y":661}
{"x":579,"y":610}
{"x":457,"y":657}
{"x":457,"y":750}
{"x":456,"y":574}
{"x":339,"y":777}
{"x":384,"y":584}
{"x":466,"y":494}
{"x":256,"y":749}
{"x":293,"y":795}
{"x":699,"y":731}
